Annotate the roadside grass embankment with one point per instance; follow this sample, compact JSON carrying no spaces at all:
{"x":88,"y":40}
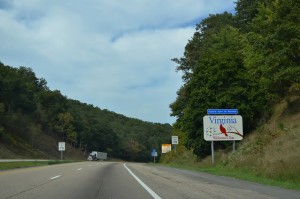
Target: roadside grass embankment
{"x":269,"y":155}
{"x":250,"y":170}
{"x":25,"y":164}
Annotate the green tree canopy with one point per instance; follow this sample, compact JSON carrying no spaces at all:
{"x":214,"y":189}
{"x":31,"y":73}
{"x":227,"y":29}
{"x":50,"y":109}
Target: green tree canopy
{"x":245,"y":61}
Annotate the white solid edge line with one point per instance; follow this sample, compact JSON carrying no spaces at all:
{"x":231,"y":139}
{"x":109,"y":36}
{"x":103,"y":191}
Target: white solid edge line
{"x":55,"y":177}
{"x":152,"y":193}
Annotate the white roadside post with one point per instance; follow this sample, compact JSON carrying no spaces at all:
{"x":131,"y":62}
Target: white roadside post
{"x":61,"y":148}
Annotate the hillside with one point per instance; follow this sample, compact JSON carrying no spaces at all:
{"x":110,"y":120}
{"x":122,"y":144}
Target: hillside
{"x":33,"y":119}
{"x":45,"y":148}
{"x":272,"y":150}
{"x":248,"y":60}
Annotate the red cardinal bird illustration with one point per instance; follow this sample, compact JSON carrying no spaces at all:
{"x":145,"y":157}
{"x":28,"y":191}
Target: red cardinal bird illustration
{"x":223,"y":130}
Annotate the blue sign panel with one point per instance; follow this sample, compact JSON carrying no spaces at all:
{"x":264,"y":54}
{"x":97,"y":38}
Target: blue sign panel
{"x":222,"y":111}
{"x":153,"y":153}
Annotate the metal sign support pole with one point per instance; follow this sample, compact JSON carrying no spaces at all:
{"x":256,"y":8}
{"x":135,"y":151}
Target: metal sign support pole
{"x":233,"y":146}
{"x":61,"y":155}
{"x":154,"y":159}
{"x":212,"y":153}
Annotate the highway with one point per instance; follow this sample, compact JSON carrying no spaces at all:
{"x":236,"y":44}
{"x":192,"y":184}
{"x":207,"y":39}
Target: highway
{"x":114,"y":180}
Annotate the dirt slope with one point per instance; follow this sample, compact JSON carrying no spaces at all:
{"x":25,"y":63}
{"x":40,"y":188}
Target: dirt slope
{"x":274,"y":148}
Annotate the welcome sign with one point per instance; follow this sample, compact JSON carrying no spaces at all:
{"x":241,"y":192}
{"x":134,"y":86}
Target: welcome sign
{"x":223,"y":127}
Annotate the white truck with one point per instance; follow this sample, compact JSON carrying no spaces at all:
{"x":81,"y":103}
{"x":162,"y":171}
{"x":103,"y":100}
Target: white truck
{"x":95,"y":155}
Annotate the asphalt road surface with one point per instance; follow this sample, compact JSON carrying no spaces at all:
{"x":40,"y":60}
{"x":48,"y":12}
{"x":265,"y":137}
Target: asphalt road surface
{"x":111,"y":180}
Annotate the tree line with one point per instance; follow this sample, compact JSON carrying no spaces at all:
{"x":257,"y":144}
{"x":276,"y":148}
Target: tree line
{"x":28,"y":108}
{"x":247,"y":60}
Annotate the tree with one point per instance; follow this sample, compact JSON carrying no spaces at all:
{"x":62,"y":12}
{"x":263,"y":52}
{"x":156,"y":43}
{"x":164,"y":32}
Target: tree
{"x":217,"y":78}
{"x":29,"y":109}
{"x":246,"y":11}
{"x":273,"y":45}
{"x":65,"y":126}
{"x":35,"y":131}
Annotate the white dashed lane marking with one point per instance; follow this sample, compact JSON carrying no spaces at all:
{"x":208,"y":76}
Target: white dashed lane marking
{"x":55,"y":177}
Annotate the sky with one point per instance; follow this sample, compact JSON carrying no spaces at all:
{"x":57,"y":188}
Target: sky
{"x":113,"y":54}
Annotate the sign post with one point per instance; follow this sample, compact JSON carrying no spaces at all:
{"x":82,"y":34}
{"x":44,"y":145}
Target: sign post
{"x":222,"y":125}
{"x":174,"y":141}
{"x":154,"y":154}
{"x":212,"y":153}
{"x":61,"y":148}
{"x":233,"y":146}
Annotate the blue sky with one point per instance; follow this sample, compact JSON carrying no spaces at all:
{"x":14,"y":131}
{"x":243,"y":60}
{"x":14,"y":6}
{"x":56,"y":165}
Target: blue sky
{"x":113,"y":54}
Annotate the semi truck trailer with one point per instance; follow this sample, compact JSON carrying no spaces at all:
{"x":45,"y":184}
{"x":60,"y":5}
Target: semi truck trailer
{"x":95,"y":155}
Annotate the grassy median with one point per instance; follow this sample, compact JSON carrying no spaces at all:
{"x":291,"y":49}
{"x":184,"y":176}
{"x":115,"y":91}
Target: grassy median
{"x":21,"y":164}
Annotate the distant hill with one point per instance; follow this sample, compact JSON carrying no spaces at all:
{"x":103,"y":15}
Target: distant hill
{"x":33,"y":119}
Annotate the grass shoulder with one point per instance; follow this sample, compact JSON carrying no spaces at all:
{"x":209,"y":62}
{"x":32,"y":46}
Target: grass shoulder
{"x":25,"y":164}
{"x":246,"y":175}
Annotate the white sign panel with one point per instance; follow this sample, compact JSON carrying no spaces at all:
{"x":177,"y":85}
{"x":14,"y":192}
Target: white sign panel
{"x":174,"y":139}
{"x":223,"y":127}
{"x":61,"y":146}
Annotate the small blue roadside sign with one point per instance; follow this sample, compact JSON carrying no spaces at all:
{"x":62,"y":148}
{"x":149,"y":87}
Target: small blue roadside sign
{"x":153,"y":153}
{"x":222,"y":111}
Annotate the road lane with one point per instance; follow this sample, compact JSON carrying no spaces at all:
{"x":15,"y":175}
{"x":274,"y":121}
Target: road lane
{"x":94,"y":180}
{"x":150,"y":191}
{"x":177,"y":184}
{"x":85,"y":180}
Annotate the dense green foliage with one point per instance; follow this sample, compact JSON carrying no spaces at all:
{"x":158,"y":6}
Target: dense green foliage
{"x":245,"y":61}
{"x":29,"y":108}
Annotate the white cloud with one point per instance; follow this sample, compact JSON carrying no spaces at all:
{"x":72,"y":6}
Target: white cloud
{"x":111,"y":53}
